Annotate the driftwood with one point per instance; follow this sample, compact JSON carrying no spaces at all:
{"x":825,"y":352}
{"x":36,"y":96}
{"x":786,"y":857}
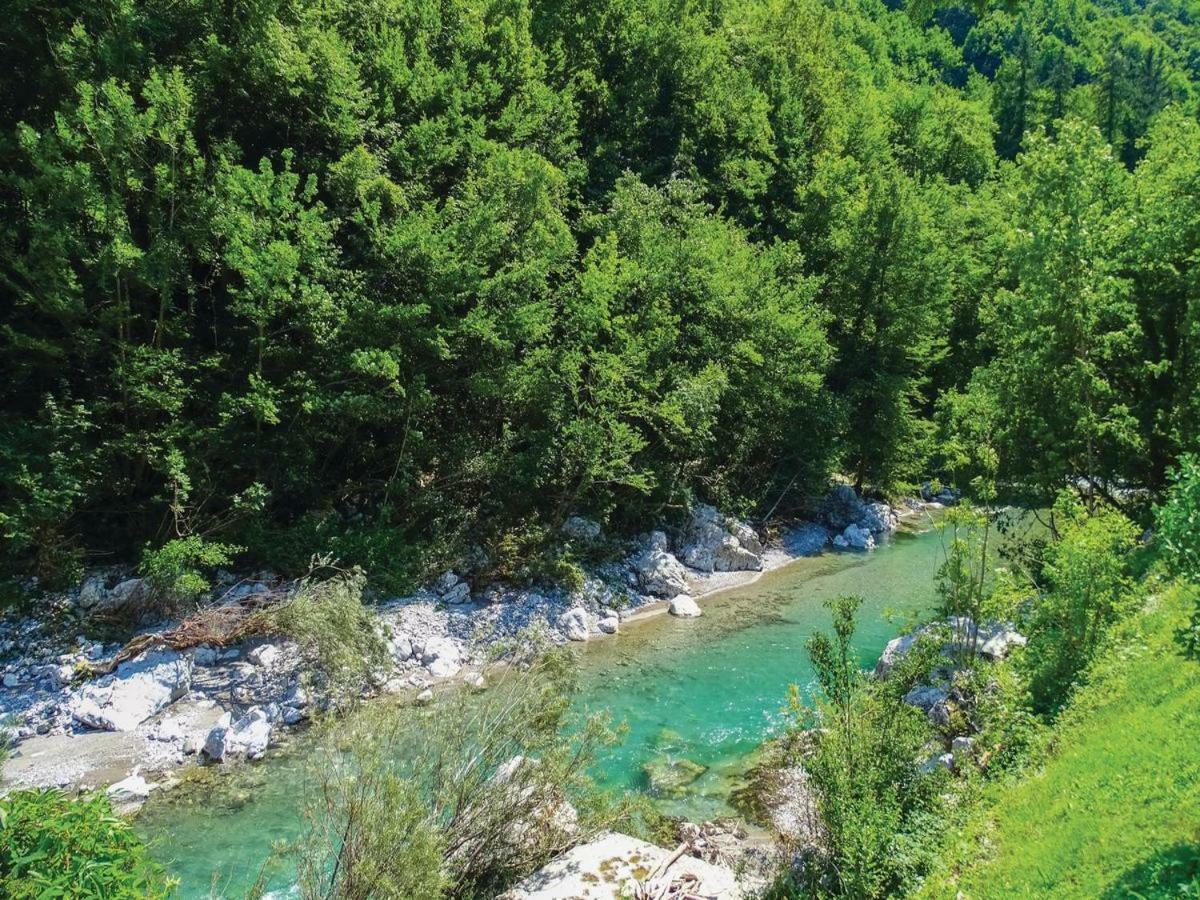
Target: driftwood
{"x":682,"y":887}
{"x":215,"y":626}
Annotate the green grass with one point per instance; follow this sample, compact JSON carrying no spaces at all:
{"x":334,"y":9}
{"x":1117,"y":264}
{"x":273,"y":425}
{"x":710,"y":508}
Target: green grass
{"x":1115,"y":810}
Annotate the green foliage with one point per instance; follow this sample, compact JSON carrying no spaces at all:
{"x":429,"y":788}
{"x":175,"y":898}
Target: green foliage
{"x":1177,"y":521}
{"x":334,"y":628}
{"x":460,"y":798}
{"x":52,"y":845}
{"x":1112,"y":809}
{"x":876,"y":809}
{"x":365,"y":277}
{"x":962,"y":586}
{"x":176,"y":569}
{"x":1089,"y":587}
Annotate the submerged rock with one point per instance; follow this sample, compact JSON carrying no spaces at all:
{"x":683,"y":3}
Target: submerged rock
{"x":669,"y":776}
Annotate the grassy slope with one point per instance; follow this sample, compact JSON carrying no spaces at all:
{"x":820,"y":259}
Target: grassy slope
{"x":1115,"y":812}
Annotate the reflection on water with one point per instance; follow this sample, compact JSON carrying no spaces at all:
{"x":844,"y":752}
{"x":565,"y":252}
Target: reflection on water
{"x":698,"y":695}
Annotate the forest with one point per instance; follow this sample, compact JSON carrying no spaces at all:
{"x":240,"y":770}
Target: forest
{"x":377,"y":277}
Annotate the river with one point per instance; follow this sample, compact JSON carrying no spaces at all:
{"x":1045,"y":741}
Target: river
{"x":709,"y":690}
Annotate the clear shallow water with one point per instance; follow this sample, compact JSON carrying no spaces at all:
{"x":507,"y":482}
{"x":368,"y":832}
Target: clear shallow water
{"x":705,"y":690}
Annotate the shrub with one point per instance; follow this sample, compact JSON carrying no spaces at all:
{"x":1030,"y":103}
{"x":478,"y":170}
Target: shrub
{"x":334,"y":628}
{"x":1089,"y":587}
{"x":176,"y":570}
{"x":1178,"y":520}
{"x":875,"y":806}
{"x":55,"y":846}
{"x":458,"y":799}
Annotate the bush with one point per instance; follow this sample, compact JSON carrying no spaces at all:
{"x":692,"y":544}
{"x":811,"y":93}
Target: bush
{"x":875,"y":806}
{"x":338,"y":633}
{"x":458,"y":799}
{"x":176,"y":570}
{"x":1089,"y":587}
{"x":1178,"y":521}
{"x":55,"y":846}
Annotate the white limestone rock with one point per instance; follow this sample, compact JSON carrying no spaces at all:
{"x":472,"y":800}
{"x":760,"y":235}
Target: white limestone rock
{"x":136,"y":691}
{"x":855,"y":537}
{"x":574,"y":624}
{"x":684,"y":607}
{"x":442,"y":657}
{"x":266,"y":655}
{"x":658,"y":571}
{"x":128,"y":791}
{"x":716,"y":543}
{"x":249,"y":736}
{"x":612,"y":865}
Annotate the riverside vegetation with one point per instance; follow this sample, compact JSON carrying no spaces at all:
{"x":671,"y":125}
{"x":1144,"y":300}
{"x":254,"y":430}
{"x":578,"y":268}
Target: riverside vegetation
{"x":407,"y":285}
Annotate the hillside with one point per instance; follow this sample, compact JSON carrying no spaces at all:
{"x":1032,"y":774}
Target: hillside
{"x":1115,"y":812}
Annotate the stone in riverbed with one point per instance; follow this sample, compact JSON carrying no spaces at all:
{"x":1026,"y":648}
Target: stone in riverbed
{"x":574,"y":624}
{"x":266,"y":655}
{"x":669,"y":776}
{"x":133,"y":789}
{"x":684,"y":607}
{"x":460,"y":593}
{"x":248,"y":736}
{"x":855,"y":537}
{"x":442,"y":657}
{"x":138,"y":689}
{"x":658,"y":572}
{"x":610,"y":624}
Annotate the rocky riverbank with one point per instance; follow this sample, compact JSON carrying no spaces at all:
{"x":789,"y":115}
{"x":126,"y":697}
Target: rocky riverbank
{"x":150,"y":715}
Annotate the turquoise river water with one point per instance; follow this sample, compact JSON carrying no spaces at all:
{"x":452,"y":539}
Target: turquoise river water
{"x":709,"y":690}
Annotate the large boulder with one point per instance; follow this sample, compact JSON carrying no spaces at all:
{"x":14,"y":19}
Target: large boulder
{"x":658,"y":571}
{"x":997,"y":639}
{"x":897,"y":648}
{"x":129,"y":791}
{"x":249,"y":736}
{"x":128,"y":599}
{"x":136,"y":691}
{"x":614,"y":865}
{"x":442,"y":657}
{"x":855,"y":537}
{"x":879,"y":518}
{"x":684,"y":607}
{"x":991,"y":640}
{"x":715,"y":543}
{"x":574,"y":624}
{"x":842,"y":506}
{"x":926,"y":696}
{"x":580,"y":529}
